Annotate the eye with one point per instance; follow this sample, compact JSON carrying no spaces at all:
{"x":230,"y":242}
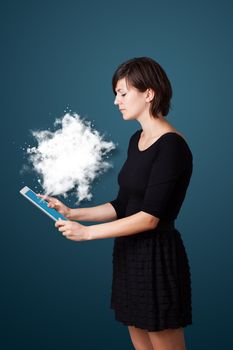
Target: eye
{"x":123,"y":95}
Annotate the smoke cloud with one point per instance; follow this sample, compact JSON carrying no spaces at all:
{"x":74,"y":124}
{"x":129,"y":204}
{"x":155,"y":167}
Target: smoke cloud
{"x":69,"y":158}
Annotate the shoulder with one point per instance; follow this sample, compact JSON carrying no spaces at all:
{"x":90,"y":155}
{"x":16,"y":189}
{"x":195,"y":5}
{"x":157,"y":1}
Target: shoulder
{"x":173,"y":149}
{"x":174,"y":141}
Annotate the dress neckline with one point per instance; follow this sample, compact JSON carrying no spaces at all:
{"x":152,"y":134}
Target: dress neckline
{"x":156,"y":141}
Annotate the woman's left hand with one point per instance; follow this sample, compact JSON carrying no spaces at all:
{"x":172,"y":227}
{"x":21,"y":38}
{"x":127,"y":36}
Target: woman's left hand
{"x":72,"y":230}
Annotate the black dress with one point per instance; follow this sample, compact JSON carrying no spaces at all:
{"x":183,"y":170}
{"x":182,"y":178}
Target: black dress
{"x":151,"y":286}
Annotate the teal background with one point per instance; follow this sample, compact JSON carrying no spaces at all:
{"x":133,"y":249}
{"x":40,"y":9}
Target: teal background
{"x":55,"y":294}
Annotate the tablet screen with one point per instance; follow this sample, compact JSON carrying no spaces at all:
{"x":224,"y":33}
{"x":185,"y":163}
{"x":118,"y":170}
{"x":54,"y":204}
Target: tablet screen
{"x":41,"y":204}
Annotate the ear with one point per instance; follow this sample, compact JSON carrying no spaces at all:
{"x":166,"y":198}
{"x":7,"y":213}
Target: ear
{"x":149,"y":95}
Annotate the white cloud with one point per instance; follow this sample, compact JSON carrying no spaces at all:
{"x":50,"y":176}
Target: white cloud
{"x":69,"y":158}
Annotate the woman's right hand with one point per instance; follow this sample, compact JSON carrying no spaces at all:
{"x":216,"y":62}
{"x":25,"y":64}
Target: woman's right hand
{"x":56,"y":204}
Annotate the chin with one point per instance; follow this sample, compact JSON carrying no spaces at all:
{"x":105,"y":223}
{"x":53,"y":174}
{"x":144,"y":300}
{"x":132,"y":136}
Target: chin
{"x":127,"y":117}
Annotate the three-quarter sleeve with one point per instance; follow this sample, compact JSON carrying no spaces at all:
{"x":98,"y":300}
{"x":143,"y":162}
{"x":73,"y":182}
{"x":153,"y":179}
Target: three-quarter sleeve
{"x":166,"y":172}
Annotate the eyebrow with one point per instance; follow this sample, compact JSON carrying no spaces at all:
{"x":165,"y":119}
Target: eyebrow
{"x":119,"y":89}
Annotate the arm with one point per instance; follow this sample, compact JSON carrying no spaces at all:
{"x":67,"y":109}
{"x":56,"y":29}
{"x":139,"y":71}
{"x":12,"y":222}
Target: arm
{"x":129,"y":225}
{"x":104,"y":212}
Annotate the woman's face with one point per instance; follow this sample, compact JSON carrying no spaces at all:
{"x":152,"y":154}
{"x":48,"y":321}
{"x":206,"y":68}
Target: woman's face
{"x":131,"y":102}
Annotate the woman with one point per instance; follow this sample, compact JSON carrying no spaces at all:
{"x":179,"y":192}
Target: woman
{"x":151,"y":287}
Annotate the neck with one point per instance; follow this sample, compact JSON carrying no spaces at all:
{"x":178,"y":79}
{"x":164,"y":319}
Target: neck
{"x":152,"y":126}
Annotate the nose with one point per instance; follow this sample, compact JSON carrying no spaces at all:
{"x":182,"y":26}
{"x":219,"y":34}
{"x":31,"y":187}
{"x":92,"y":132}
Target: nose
{"x":116,"y":101}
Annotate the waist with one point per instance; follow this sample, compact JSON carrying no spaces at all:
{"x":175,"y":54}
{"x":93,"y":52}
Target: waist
{"x":165,"y":225}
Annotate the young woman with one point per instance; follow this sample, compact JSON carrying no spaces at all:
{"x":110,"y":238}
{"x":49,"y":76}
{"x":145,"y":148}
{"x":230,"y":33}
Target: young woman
{"x":151,"y":286}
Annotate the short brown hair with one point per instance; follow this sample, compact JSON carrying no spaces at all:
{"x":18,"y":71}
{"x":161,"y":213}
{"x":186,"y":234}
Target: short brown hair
{"x":144,"y":73}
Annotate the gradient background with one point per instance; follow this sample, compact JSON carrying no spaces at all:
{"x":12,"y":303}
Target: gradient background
{"x":55,"y":294}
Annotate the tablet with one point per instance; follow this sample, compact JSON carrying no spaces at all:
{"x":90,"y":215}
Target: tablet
{"x":41,"y":204}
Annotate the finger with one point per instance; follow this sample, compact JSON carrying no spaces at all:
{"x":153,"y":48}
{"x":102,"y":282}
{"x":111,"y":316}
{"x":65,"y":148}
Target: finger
{"x":53,"y":202}
{"x":60,"y":223}
{"x":67,"y":233}
{"x":62,"y":229}
{"x":51,"y":205}
{"x":71,"y":237}
{"x":57,"y":224}
{"x":47,"y":198}
{"x":42,"y":196}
